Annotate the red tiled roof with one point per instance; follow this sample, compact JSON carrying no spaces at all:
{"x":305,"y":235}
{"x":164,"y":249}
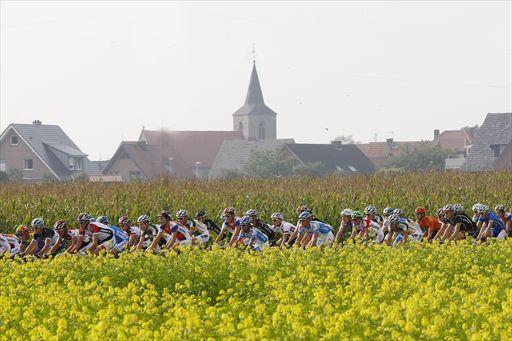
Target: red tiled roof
{"x":377,"y":152}
{"x":453,"y":139}
{"x":190,"y":146}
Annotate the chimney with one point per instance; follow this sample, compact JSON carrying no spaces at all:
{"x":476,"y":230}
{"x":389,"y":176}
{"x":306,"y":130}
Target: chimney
{"x":436,"y":133}
{"x":36,"y":122}
{"x":336,"y":143}
{"x":389,"y":141}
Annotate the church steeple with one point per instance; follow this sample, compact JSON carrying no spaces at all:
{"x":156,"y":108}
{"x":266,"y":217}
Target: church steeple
{"x":254,"y":94}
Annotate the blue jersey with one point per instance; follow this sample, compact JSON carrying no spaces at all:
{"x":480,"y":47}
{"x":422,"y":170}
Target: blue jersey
{"x":231,"y":227}
{"x":119,"y":235}
{"x":258,"y":236}
{"x":319,"y":227}
{"x":497,"y":222}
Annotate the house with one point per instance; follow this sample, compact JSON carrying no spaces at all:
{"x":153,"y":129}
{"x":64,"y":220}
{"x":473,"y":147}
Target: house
{"x":491,"y":141}
{"x":336,"y":157}
{"x":41,"y":151}
{"x":183,"y":154}
{"x":505,"y":159}
{"x":457,"y":141}
{"x":234,"y":154}
{"x":378,"y":152}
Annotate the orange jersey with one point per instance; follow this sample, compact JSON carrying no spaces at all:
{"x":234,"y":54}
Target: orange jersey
{"x":429,"y":223}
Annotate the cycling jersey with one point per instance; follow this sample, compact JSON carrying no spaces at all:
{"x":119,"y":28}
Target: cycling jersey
{"x":506,"y":217}
{"x":374,"y":229}
{"x":323,"y":231}
{"x":201,"y":233}
{"x":182,"y":235}
{"x":120,"y":238}
{"x":104,"y":232}
{"x":265,"y":228}
{"x":497,"y":223}
{"x":284,"y":228}
{"x":9,"y":243}
{"x":231,"y":226}
{"x":378,"y":219}
{"x":149,"y":235}
{"x":210,"y":224}
{"x":254,"y":237}
{"x":429,"y":224}
{"x":466,"y":224}
{"x":45,"y":234}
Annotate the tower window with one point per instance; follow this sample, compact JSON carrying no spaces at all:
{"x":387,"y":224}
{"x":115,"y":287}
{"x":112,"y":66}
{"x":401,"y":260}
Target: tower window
{"x":240,"y":126}
{"x":261,"y":131}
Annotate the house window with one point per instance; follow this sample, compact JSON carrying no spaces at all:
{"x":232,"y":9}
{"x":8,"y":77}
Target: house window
{"x":240,"y":126}
{"x":28,"y":164}
{"x":497,"y":149}
{"x":71,"y":164}
{"x":2,"y":165}
{"x":261,"y":131}
{"x":352,"y":168}
{"x":14,"y":140}
{"x":135,"y":175}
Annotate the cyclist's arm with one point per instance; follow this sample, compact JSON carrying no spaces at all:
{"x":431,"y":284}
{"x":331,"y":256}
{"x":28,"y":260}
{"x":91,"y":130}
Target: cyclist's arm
{"x":292,"y":236}
{"x":221,"y":234}
{"x":31,"y":248}
{"x":77,"y":245}
{"x":456,"y":231}
{"x":235,"y":235}
{"x":339,"y":234}
{"x":140,"y":244}
{"x":55,"y":246}
{"x":155,"y":241}
{"x":508,"y":226}
{"x":45,"y":248}
{"x":170,"y":243}
{"x":132,"y":240}
{"x":312,"y":242}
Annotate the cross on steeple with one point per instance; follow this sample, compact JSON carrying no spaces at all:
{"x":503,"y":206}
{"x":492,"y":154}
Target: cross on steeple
{"x":253,"y":53}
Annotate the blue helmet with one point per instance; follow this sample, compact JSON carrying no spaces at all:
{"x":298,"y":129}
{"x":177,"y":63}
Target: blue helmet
{"x":305,"y":215}
{"x":102,"y":219}
{"x":245,"y":220}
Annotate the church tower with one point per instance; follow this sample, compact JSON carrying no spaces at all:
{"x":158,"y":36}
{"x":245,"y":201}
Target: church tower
{"x":254,"y":119}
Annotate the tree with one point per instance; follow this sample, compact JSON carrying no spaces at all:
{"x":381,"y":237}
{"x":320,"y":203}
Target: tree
{"x":424,"y":157}
{"x":310,"y":169}
{"x":267,"y":164}
{"x":345,"y":139}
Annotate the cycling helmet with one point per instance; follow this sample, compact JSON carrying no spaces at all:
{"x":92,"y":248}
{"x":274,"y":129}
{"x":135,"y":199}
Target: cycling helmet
{"x":229,"y":211}
{"x":277,"y":216}
{"x":398,"y":212}
{"x":357,"y":215}
{"x":37,"y":222}
{"x":200,"y":214}
{"x":60,"y":224}
{"x":305,"y":215}
{"x":347,"y":212}
{"x":103,"y":219}
{"x":252,"y":212}
{"x":388,"y":211}
{"x":394,"y":218}
{"x":484,"y":208}
{"x":500,"y":208}
{"x":370,"y":210}
{"x":21,"y":231}
{"x":123,"y":220}
{"x":84,"y":217}
{"x":420,"y":209}
{"x":302,"y":208}
{"x":476,"y":207}
{"x":440,"y":212}
{"x":182,"y":214}
{"x":447,"y":207}
{"x":143,"y":219}
{"x":245,"y":220}
{"x":458,"y":208}
{"x":165,"y":214}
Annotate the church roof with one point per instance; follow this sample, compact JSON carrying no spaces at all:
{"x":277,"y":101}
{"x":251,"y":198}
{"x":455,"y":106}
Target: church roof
{"x":254,"y":103}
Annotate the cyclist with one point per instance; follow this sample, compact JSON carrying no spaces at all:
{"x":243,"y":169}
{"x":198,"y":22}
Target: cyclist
{"x":164,"y":232}
{"x":281,"y":227}
{"x":148,"y":232}
{"x":262,"y":226}
{"x":99,"y":234}
{"x":9,"y":243}
{"x":490,"y":224}
{"x":506,"y":217}
{"x":180,"y":235}
{"x":251,"y":236}
{"x":202,"y":217}
{"x":24,"y":236}
{"x":230,"y":226}
{"x":132,"y":232}
{"x":371,"y":214}
{"x":345,"y":230}
{"x":430,"y":225}
{"x":460,"y":224}
{"x":386,"y":213}
{"x":199,"y":232}
{"x":67,"y":237}
{"x":373,"y":225}
{"x":399,"y":230}
{"x":44,"y":239}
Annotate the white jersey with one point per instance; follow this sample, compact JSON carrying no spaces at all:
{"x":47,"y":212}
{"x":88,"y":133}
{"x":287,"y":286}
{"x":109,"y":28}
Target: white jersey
{"x":201,"y":233}
{"x":9,"y":243}
{"x":284,"y":228}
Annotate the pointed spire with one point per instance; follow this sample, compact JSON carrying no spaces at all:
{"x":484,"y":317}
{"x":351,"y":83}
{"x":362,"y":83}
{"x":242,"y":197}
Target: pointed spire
{"x":254,"y":94}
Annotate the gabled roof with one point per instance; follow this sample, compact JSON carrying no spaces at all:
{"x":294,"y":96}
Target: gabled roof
{"x":41,"y":138}
{"x":496,"y":130}
{"x":190,"y":146}
{"x":377,"y":152}
{"x":335,"y":157}
{"x":453,"y":139}
{"x":254,"y":103}
{"x":233,"y":154}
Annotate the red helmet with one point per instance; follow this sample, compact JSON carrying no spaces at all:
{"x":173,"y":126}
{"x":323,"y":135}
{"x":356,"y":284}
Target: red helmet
{"x":420,"y":209}
{"x":60,"y":224}
{"x":123,"y":220}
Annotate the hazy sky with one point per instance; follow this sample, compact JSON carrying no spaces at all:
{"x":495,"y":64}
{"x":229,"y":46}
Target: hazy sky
{"x":102,"y":70}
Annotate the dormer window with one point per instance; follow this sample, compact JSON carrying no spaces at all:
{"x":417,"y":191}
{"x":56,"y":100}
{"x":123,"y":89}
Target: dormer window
{"x":498,"y":149}
{"x":75,"y":163}
{"x":14,"y":140}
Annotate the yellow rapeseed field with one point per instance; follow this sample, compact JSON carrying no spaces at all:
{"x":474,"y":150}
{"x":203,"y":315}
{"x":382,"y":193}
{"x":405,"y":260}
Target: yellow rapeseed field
{"x":415,"y":291}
